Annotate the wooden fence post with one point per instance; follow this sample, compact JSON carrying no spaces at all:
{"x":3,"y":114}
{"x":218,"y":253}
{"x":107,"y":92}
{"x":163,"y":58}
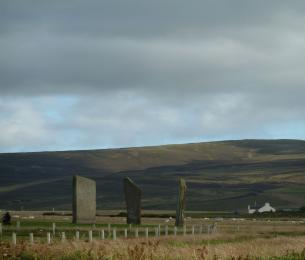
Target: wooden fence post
{"x":48,"y":238}
{"x":63,"y":236}
{"x":14,"y":239}
{"x":146,"y":232}
{"x":114,"y":234}
{"x":175,"y":231}
{"x":53,"y":228}
{"x":77,"y":235}
{"x":90,"y":235}
{"x":31,"y":238}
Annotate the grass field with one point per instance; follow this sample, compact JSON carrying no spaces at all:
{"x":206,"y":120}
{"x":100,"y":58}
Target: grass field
{"x":231,"y":238}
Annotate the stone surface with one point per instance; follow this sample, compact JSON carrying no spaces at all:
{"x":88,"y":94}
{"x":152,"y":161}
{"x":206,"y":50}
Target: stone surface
{"x":133,"y":196}
{"x":84,"y":200}
{"x":181,"y":203}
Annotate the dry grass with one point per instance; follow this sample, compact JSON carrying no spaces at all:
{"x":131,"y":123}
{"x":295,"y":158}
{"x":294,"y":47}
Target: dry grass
{"x":188,"y":247}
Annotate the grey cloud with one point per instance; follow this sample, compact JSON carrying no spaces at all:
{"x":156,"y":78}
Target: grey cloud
{"x":58,"y":47}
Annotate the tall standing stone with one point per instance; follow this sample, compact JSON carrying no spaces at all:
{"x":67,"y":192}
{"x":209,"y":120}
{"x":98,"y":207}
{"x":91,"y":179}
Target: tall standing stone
{"x":84,"y":200}
{"x":181,"y":203}
{"x":133,"y":196}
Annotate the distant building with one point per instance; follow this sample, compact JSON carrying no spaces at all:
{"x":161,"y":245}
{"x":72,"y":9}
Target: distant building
{"x":266,"y":208}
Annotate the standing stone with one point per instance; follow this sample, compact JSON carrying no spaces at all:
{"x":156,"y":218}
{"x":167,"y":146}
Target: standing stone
{"x":181,"y":203}
{"x":84,"y":200}
{"x":133,"y":196}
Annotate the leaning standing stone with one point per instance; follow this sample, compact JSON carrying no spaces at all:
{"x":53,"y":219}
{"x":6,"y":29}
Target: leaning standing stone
{"x":133,"y":196}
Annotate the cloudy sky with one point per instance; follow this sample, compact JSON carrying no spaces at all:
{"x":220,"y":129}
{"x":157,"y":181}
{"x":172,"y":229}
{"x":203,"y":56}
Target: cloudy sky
{"x":97,"y":74}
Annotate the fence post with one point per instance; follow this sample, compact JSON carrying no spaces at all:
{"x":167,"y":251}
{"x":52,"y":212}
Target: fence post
{"x":136,"y":232}
{"x":175,"y":231}
{"x":48,"y":238}
{"x":53,"y":228}
{"x":90,"y":235}
{"x":146,"y":232}
{"x":31,"y":238}
{"x":63,"y":236}
{"x":125,"y":232}
{"x":103,"y":234}
{"x":114,"y":234}
{"x":156,"y":232}
{"x":18,"y":225}
{"x":159,"y":228}
{"x":14,"y":239}
{"x":109,"y":230}
{"x":77,"y":235}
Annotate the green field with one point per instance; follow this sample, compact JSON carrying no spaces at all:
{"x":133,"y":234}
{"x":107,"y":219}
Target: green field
{"x":221,"y":176}
{"x":231,"y":238}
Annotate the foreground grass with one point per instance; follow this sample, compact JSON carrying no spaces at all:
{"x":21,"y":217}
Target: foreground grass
{"x":188,"y":247}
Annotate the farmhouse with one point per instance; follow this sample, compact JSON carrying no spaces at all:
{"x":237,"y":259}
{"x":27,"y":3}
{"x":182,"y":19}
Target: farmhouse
{"x":266,"y":208}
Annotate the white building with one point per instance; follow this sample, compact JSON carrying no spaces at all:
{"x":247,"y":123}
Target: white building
{"x":266,"y":208}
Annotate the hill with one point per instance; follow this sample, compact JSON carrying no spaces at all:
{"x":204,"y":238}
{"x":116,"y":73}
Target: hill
{"x":226,"y":175}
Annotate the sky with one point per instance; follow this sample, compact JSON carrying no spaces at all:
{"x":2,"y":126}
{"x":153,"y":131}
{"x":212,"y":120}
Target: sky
{"x":105,"y":74}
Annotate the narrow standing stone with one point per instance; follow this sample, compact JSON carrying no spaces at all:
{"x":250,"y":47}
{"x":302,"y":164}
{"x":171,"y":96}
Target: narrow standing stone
{"x":103,"y":234}
{"x":175,"y":231}
{"x":136,"y":232}
{"x":125,"y":232}
{"x":31,"y":238}
{"x":14,"y":239}
{"x":181,"y":203}
{"x":133,"y":196}
{"x":159,"y":228}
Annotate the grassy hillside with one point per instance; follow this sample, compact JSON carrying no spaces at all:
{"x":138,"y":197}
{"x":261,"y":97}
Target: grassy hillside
{"x":224,"y":175}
